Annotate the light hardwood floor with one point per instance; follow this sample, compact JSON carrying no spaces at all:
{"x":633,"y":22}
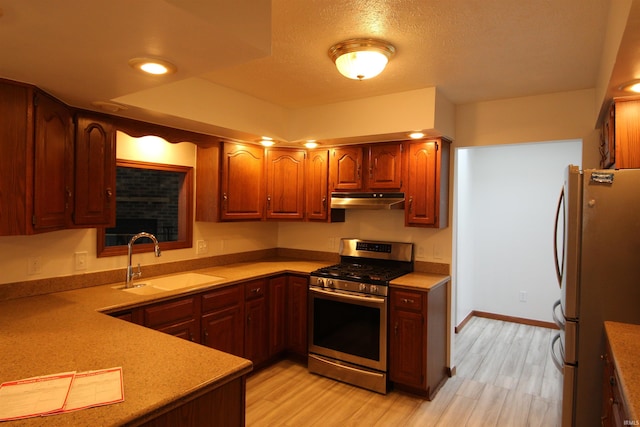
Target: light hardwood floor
{"x":505,"y":377}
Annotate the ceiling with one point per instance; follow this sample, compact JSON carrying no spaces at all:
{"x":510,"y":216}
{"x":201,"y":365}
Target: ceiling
{"x":276,"y":51}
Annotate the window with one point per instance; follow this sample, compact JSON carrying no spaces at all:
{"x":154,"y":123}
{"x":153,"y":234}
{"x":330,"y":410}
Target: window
{"x":151,"y":197}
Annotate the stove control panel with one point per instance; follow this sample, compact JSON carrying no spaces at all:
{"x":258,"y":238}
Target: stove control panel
{"x":348,"y":286}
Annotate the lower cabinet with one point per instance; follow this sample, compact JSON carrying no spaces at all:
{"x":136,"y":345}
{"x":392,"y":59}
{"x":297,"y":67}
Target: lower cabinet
{"x":296,"y":319}
{"x":178,"y":317}
{"x":418,"y":339}
{"x":614,"y":411}
{"x":277,"y":315}
{"x":223,"y":319}
{"x":256,"y":338}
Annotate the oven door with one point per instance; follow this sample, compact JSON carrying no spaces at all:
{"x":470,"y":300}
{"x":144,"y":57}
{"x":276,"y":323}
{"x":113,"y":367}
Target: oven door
{"x":348,"y":327}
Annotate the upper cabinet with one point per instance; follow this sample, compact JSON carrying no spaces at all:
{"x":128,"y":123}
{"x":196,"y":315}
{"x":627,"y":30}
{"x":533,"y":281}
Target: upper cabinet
{"x":37,"y":161}
{"x":620,"y":145}
{"x":427,"y":186}
{"x":285,"y":183}
{"x":317,"y":185}
{"x":242,"y":188}
{"x":345,"y":168}
{"x":95,"y":171}
{"x":53,"y":164}
{"x":384,"y":166}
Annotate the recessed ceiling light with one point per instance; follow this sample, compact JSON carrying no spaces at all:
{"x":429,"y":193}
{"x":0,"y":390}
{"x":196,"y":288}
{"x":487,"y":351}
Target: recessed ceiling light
{"x":153,"y":66}
{"x":311,"y":143}
{"x":267,"y":141}
{"x":111,"y":107}
{"x":632,"y":86}
{"x":416,"y":135}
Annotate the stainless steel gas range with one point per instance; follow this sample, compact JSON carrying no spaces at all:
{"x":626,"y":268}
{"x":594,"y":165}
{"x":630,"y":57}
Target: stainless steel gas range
{"x":348,"y":311}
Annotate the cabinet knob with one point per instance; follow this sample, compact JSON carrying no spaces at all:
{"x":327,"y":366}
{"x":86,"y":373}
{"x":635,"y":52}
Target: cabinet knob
{"x":268,"y":202}
{"x":410,"y":204}
{"x":109,"y":194}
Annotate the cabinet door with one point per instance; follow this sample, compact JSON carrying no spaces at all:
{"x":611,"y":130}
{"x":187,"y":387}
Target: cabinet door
{"x":222,"y":320}
{"x":345,"y":165}
{"x":95,"y":172}
{"x":242,"y":182}
{"x":407,"y":356}
{"x":208,"y":182}
{"x":187,"y":330}
{"x":385,"y":167}
{"x":277,"y":315}
{"x":627,"y":134}
{"x":256,"y":344}
{"x":16,"y":161}
{"x":222,"y":330}
{"x":53,"y":172}
{"x":285,"y":183}
{"x":297,"y":315}
{"x":317,"y":185}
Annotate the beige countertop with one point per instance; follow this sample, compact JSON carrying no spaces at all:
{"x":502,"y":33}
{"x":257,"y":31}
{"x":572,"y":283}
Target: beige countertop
{"x":624,"y":339}
{"x":66,"y":331}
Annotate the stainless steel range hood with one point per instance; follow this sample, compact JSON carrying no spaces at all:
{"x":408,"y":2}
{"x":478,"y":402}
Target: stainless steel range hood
{"x":340,"y":200}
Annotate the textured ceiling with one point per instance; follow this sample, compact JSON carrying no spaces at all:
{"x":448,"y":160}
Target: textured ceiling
{"x":471,"y":50}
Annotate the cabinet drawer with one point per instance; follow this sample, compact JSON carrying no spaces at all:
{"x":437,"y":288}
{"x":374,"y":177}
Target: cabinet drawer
{"x":170,"y":312}
{"x":254,"y":289}
{"x":406,"y":300}
{"x":222,"y":298}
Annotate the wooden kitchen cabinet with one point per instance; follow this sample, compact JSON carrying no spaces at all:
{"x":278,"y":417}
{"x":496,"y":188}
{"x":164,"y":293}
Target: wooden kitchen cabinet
{"x":277,"y":315}
{"x":296,"y":321}
{"x":427,"y":183}
{"x":208,"y":182}
{"x":614,"y":408}
{"x":53,"y":166}
{"x":242,"y":182}
{"x":345,"y":168}
{"x":285,"y":183}
{"x":384,"y":167}
{"x":620,"y":145}
{"x":223,"y":320}
{"x":256,"y":332}
{"x":418,"y":339}
{"x":95,"y":171}
{"x":179,"y":317}
{"x":317,"y":200}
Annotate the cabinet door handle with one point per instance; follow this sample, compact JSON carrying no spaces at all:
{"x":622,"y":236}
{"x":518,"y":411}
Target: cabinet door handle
{"x":109,"y":194}
{"x":191,"y":337}
{"x":206,"y":335}
{"x":395,"y":329}
{"x":224,"y":201}
{"x":255,"y":290}
{"x":410,"y":204}
{"x":268,"y":203}
{"x":324,"y":203}
{"x":407,"y":301}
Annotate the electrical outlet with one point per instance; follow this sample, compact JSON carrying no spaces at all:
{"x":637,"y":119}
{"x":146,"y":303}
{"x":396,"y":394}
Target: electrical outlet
{"x":437,"y":252}
{"x":420,"y":251}
{"x":523,"y":296}
{"x":34,"y":265}
{"x":81,"y":260}
{"x":202,"y":247}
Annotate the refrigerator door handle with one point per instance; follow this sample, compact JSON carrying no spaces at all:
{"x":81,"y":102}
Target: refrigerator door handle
{"x":554,"y":357}
{"x":559,"y":263}
{"x":556,"y":319}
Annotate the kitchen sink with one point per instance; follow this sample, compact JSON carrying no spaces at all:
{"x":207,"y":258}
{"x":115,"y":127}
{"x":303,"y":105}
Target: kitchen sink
{"x":171,"y":283}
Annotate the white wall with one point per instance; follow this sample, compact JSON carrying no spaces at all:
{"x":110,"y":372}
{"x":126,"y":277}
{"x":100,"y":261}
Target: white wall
{"x":506,"y":203}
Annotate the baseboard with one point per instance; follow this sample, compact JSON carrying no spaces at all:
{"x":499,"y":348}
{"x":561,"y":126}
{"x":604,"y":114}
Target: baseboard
{"x":464,"y":322}
{"x":513,"y":319}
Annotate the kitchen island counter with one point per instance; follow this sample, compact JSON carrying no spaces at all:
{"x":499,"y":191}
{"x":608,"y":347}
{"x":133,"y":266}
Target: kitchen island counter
{"x":624,"y":339}
{"x":49,"y":334}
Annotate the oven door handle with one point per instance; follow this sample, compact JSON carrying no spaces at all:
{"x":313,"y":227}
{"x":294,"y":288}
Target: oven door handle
{"x":348,"y":296}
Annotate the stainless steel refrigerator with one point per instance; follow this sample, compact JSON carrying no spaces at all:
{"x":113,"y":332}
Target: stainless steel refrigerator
{"x":598,"y":267}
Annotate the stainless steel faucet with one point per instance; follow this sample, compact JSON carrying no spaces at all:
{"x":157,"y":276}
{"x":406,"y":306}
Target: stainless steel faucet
{"x":130,"y":273}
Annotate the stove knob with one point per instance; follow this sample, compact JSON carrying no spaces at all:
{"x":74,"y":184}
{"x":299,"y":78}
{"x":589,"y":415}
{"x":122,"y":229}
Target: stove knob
{"x":363,"y":287}
{"x":320,"y":282}
{"x":374,"y":289}
{"x":330,"y":283}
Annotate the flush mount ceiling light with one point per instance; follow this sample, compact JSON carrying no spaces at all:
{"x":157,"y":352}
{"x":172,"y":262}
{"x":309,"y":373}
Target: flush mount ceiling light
{"x":267,"y":141}
{"x":153,"y":66}
{"x":416,"y":135}
{"x":632,"y":86}
{"x":361,"y":59}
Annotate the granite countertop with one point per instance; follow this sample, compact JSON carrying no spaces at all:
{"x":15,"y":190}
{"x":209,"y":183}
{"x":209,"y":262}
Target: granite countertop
{"x":68,"y":331}
{"x":624,"y":339}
